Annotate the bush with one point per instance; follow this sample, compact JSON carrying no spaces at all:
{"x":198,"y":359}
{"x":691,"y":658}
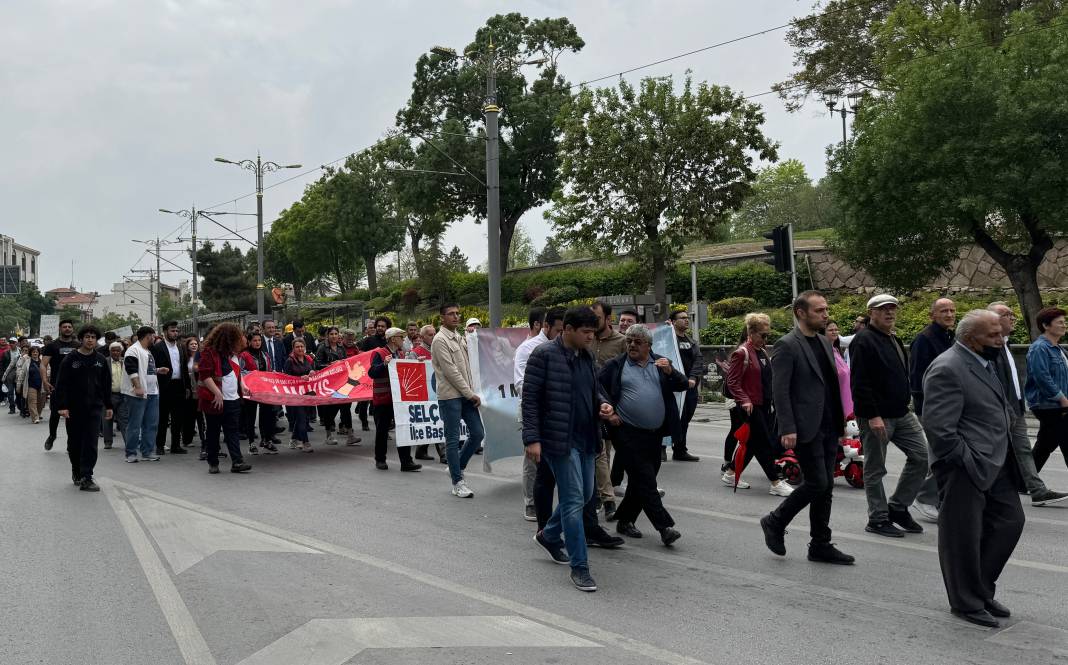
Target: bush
{"x":378,"y":304}
{"x":469,"y":299}
{"x":532,"y":293}
{"x":556,"y":295}
{"x":410,"y":298}
{"x":729,"y":307}
{"x":723,"y":332}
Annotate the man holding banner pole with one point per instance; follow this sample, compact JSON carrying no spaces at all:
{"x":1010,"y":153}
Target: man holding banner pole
{"x":456,"y":399}
{"x":381,"y":397}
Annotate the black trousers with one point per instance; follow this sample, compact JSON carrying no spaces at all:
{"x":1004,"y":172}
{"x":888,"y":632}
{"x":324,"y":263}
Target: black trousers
{"x":761,"y":429}
{"x":689,"y":407}
{"x":53,"y":417}
{"x":545,"y":487}
{"x":1052,"y":434}
{"x":361,"y":410}
{"x":639,"y":450}
{"x":977,"y":533}
{"x":383,"y":419}
{"x":344,"y":418}
{"x":730,"y":443}
{"x":327,"y":412}
{"x":171,"y":410}
{"x":192,"y":422}
{"x":82,"y":427}
{"x":227,"y":423}
{"x":817,"y":464}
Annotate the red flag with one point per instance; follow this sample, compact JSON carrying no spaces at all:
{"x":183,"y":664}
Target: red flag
{"x":742,"y":435}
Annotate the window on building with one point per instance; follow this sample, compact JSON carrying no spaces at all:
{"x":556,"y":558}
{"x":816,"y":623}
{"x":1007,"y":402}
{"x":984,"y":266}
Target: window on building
{"x":24,"y":264}
{"x":33,"y":265}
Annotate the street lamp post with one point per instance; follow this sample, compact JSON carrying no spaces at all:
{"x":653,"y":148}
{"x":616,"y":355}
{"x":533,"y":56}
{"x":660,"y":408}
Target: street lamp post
{"x":849,"y":104}
{"x":493,"y":178}
{"x":258,"y":167}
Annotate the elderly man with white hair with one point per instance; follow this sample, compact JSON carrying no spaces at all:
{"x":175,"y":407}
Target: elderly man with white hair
{"x":969,"y":421}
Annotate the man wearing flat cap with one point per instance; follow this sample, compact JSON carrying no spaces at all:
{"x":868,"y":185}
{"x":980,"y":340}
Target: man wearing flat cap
{"x":879,"y":373}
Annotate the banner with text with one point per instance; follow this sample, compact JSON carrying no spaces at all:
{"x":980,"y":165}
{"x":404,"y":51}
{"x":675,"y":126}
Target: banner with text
{"x":492,"y":369}
{"x":341,"y":381}
{"x":415,"y":404}
{"x":50,"y":325}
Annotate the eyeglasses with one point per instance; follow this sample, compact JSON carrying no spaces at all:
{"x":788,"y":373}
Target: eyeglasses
{"x":637,"y":342}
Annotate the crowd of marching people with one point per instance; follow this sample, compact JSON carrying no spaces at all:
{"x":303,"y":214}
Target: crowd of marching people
{"x":599,"y":405}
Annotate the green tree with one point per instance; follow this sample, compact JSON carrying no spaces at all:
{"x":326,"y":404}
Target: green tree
{"x":970,"y":148}
{"x":456,"y":261}
{"x":644,"y":169}
{"x":293,"y":251}
{"x":228,"y":278}
{"x":522,"y":252}
{"x":837,"y":48}
{"x":36,"y":302}
{"x":13,"y":316}
{"x":781,"y":194}
{"x":448,"y":99}
{"x":550,"y":253}
{"x":169,"y":309}
{"x":72,"y":312}
{"x":113,"y":320}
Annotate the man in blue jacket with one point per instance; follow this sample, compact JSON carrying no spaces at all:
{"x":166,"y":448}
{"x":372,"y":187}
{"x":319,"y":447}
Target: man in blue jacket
{"x":562,"y":405}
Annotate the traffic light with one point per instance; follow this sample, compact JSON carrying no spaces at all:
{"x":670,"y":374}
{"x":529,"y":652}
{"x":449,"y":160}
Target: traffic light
{"x":779,"y":248}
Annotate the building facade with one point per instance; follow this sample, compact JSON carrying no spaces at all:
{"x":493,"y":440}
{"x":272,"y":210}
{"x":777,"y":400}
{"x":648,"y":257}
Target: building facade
{"x":134,"y":296}
{"x":26,"y":258}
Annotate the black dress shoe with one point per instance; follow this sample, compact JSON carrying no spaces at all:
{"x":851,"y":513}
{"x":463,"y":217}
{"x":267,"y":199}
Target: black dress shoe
{"x":905,"y":521}
{"x":628,"y":529}
{"x":828,"y":553}
{"x":87,"y":485}
{"x":213,"y":469}
{"x":884,"y":529}
{"x":381,"y":466}
{"x":240,"y":468}
{"x":979,"y":617}
{"x":685,"y":457}
{"x":603,"y":539}
{"x":669,"y":535}
{"x":179,"y":451}
{"x":423,"y":456}
{"x":997,"y":609}
{"x":774,"y":536}
{"x":411,"y":467}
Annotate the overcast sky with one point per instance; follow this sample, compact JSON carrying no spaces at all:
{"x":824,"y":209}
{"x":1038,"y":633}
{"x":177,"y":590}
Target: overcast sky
{"x":113,"y":109}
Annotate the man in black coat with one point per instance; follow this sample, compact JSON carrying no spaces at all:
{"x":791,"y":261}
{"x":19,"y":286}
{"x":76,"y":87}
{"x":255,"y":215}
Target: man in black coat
{"x":171,"y":368}
{"x":82,"y":398}
{"x":808,"y":406}
{"x":310,"y":345}
{"x":641,"y":387}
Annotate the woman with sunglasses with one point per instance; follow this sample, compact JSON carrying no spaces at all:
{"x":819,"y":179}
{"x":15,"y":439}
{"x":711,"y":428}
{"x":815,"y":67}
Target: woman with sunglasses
{"x":749,"y":382}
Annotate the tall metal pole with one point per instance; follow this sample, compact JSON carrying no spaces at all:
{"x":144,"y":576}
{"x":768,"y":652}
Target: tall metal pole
{"x":259,"y":238}
{"x":793,"y":260}
{"x":493,"y":190}
{"x":159,"y":287}
{"x":844,"y":139}
{"x":193,"y":239}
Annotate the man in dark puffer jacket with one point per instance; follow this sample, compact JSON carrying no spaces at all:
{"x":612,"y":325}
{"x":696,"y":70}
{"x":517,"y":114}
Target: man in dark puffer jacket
{"x":562,"y":405}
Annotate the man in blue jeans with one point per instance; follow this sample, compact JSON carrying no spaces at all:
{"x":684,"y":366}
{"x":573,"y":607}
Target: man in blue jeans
{"x":140,"y":387}
{"x":561,"y":405}
{"x":457,"y":400}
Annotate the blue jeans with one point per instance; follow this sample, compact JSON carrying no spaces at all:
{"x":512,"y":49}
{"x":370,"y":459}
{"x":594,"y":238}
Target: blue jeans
{"x":452,"y":412}
{"x":574,"y":485}
{"x":143,"y":419}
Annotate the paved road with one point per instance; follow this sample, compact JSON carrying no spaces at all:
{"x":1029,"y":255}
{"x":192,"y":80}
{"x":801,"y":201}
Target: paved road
{"x":321,"y":559}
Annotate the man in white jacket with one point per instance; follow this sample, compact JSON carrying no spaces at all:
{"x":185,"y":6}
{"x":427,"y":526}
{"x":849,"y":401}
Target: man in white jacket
{"x":140,"y":388}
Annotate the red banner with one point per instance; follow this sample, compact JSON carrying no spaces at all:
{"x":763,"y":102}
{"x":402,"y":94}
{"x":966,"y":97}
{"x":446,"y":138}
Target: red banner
{"x":340,"y":382}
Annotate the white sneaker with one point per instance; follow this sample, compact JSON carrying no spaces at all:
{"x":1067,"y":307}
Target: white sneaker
{"x":926,"y":512}
{"x":728,"y":479}
{"x":461,"y":490}
{"x":331,"y":440}
{"x":781,"y":488}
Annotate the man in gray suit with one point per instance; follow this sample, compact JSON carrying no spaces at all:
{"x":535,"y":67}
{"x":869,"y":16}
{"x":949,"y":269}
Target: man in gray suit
{"x":808,"y":406}
{"x":968,"y":423}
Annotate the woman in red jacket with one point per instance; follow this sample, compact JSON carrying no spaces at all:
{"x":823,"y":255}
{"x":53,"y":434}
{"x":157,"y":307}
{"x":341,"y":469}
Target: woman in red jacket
{"x":219,"y":393}
{"x":749,"y":382}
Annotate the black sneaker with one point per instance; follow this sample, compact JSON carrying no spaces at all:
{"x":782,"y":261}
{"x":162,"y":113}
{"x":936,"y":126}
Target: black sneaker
{"x":773,"y":536}
{"x":178,"y":451}
{"x":828,"y":553}
{"x":669,"y":535}
{"x":609,"y":511}
{"x":1048,"y":497}
{"x":240,"y":467}
{"x":580,"y":577}
{"x":203,"y":455}
{"x":77,"y":480}
{"x":87,"y":485}
{"x":213,"y":469}
{"x":684,"y":457}
{"x":600,"y":538}
{"x":905,"y":521}
{"x":556,"y":552}
{"x":884,"y":529}
{"x":411,"y":467}
{"x":48,"y":442}
{"x":381,"y":466}
{"x":628,"y":529}
{"x":365,"y":427}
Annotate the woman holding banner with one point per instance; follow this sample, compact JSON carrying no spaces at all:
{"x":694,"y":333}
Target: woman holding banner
{"x":256,"y":359}
{"x":382,"y":398}
{"x":299,"y":364}
{"x":330,"y":351}
{"x":219,"y":373}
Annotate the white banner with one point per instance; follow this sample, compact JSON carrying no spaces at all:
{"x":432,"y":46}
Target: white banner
{"x":492,"y":369}
{"x":666,"y":344}
{"x":50,"y":325}
{"x":123,"y":332}
{"x":415,"y":404}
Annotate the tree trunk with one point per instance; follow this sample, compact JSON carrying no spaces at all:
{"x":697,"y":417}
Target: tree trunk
{"x":1021,"y":269}
{"x":660,"y":285}
{"x":372,"y":276}
{"x":508,"y":225}
{"x":417,"y":252}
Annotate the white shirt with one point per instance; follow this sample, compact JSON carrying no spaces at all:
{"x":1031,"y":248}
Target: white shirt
{"x":176,"y":364}
{"x":229,"y":383}
{"x":522,"y":355}
{"x":1012,"y":370}
{"x":146,"y":371}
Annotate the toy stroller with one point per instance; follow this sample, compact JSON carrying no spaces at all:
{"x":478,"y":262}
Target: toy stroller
{"x":850,"y":460}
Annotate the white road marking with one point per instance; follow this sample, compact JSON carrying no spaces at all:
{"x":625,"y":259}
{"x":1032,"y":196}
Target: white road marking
{"x":186,"y":537}
{"x":1033,"y":636}
{"x":336,"y":641}
{"x":649,"y":651}
{"x":186,"y":633}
